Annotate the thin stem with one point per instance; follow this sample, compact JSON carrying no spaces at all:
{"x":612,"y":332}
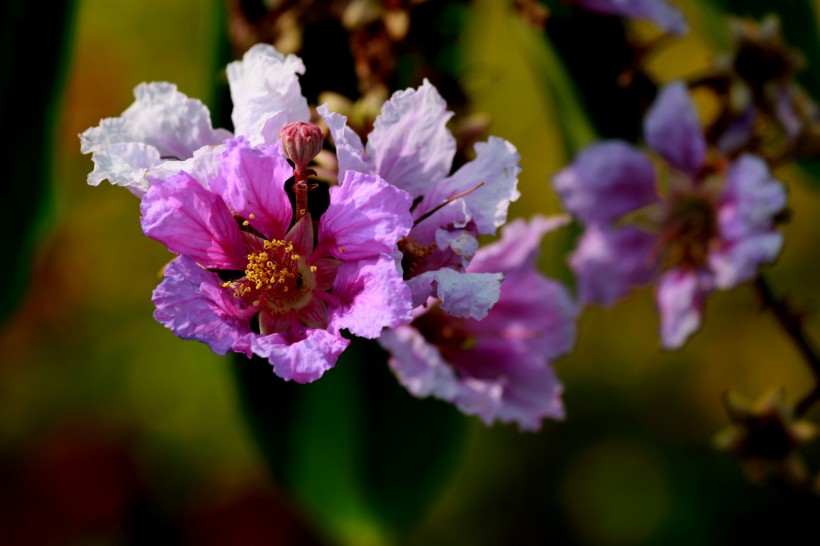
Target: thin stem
{"x":300,"y":191}
{"x":793,"y":326}
{"x":446,"y":202}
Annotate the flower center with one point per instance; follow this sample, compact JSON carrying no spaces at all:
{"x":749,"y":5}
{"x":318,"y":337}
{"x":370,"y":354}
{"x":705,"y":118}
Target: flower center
{"x":689,"y":231}
{"x":413,"y":256}
{"x":446,"y":332}
{"x":275,"y":276}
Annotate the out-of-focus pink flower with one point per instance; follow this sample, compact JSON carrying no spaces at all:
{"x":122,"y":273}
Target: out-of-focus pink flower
{"x":497,"y":368}
{"x":711,"y":230}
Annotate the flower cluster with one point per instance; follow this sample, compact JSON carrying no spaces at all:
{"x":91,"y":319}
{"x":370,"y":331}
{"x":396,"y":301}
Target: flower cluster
{"x":710,"y":230}
{"x":395,"y":255}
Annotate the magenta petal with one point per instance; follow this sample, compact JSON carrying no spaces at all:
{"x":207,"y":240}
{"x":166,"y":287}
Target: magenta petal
{"x":672,"y":128}
{"x":496,"y":167}
{"x":192,"y":221}
{"x":303,"y":360}
{"x":500,"y":381}
{"x":495,"y":381}
{"x":366,"y":217}
{"x":518,"y":247}
{"x":252,"y":183}
{"x":372,"y":296}
{"x":606,"y":181}
{"x":349,"y":149}
{"x":193,"y":305}
{"x":462,"y":294}
{"x":410,"y":144}
{"x":680,"y":297}
{"x":418,"y":365}
{"x":301,"y":235}
{"x":533,"y":311}
{"x":610,"y":262}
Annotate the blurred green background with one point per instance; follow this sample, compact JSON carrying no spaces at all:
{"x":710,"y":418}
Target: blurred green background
{"x":113,"y":431}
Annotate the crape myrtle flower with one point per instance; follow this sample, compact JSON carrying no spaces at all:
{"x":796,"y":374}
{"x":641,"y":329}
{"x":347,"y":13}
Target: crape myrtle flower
{"x":497,"y":368}
{"x":255,"y":278}
{"x":411,"y":148}
{"x":710,"y":230}
{"x":659,"y":12}
{"x":164,"y":131}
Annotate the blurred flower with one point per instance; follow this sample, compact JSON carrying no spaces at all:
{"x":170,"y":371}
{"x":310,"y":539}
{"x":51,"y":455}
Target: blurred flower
{"x":496,"y":368}
{"x":765,"y":434}
{"x":164,"y":131}
{"x":764,"y":110}
{"x":711,"y":230}
{"x":248,"y":281}
{"x":657,"y":11}
{"x":412,"y":149}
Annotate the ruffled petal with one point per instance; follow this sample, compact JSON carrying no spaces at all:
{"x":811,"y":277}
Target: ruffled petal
{"x":372,"y":296}
{"x":161,"y":124}
{"x":658,"y":11}
{"x":502,"y":382}
{"x":533,"y":311}
{"x":252,"y":183}
{"x":610,"y":262}
{"x":349,"y":149}
{"x":192,"y":221}
{"x":496,"y":166}
{"x":191,"y":303}
{"x":672,"y":128}
{"x":366,"y":217}
{"x":461,"y":294}
{"x":738,"y":262}
{"x":751,"y":199}
{"x":518,"y":247}
{"x":418,"y":365}
{"x":746,"y":211}
{"x":680,"y":297}
{"x":410,"y":144}
{"x":303,"y":360}
{"x":124,"y":164}
{"x":606,"y":181}
{"x":452,"y":215}
{"x":266,"y":93}
{"x":493,"y":381}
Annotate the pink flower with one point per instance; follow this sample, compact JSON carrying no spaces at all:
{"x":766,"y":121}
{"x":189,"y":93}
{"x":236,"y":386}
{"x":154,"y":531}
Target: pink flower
{"x":249,"y":281}
{"x":711,"y":230}
{"x":496,"y":368}
{"x":411,"y":148}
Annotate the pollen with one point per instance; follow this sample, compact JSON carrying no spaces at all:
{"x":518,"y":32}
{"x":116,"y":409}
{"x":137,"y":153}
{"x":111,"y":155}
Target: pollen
{"x":276,"y":278}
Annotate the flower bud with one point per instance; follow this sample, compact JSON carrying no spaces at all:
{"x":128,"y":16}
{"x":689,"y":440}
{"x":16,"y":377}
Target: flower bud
{"x":301,"y":142}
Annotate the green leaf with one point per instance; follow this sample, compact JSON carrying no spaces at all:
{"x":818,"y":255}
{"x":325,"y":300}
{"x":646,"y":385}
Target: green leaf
{"x":32,"y":72}
{"x":358,"y":454}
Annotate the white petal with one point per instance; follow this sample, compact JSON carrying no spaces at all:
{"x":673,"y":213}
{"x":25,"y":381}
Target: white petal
{"x":266,"y":93}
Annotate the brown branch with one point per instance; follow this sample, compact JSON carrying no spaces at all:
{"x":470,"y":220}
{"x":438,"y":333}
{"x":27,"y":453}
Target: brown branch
{"x":793,"y":327}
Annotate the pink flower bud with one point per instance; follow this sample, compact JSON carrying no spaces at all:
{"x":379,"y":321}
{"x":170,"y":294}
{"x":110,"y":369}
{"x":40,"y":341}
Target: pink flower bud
{"x":301,"y":142}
